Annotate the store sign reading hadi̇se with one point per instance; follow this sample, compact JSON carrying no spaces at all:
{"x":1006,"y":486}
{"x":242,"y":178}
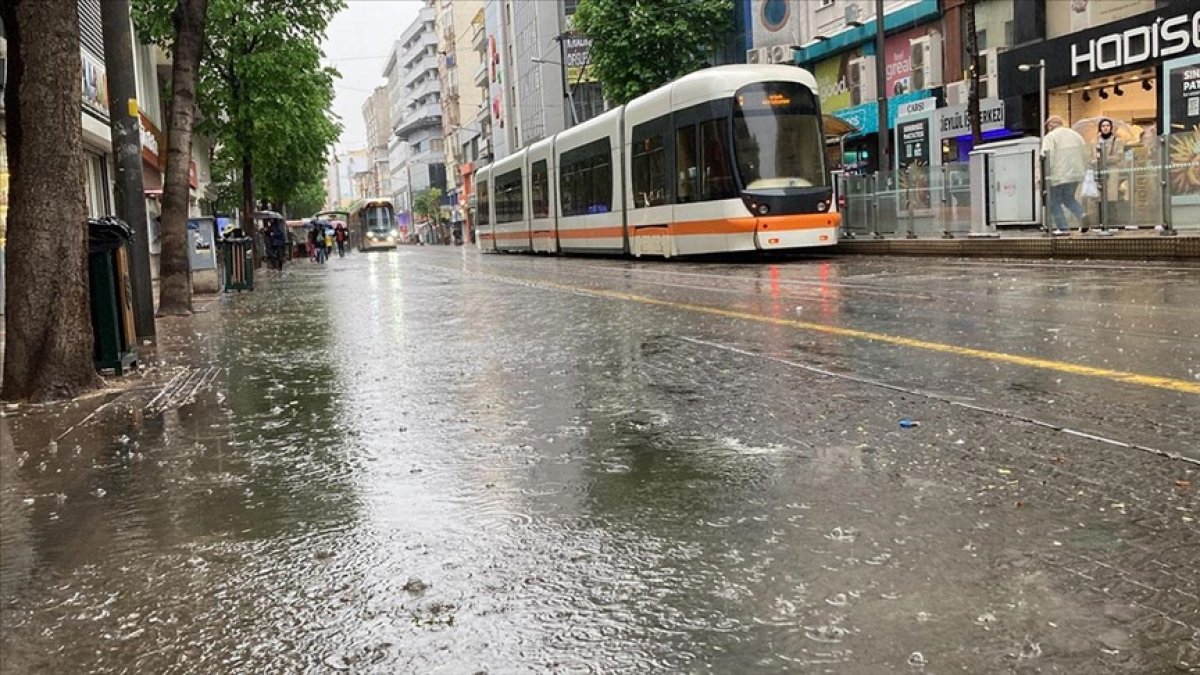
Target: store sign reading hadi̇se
{"x":1160,"y":39}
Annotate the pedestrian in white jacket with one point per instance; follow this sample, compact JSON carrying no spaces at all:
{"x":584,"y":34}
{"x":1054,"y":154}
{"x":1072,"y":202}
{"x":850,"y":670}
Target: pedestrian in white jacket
{"x":1066,"y":157}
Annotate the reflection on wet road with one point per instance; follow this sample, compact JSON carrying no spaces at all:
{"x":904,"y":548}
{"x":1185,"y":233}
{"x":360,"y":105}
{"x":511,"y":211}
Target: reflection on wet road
{"x":436,"y":461}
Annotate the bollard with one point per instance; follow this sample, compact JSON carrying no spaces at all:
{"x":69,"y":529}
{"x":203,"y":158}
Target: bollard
{"x":908,"y":197}
{"x":875,"y":209}
{"x":1164,"y":183}
{"x":1045,"y":195}
{"x":944,"y":212}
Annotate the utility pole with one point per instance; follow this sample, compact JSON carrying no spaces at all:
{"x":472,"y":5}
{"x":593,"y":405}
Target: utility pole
{"x":127,"y":153}
{"x":881,"y":86}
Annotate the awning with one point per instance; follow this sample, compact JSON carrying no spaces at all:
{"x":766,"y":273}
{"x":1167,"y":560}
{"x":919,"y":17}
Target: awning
{"x":836,"y":127}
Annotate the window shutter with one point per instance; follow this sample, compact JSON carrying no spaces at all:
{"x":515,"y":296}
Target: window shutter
{"x":91,"y":34}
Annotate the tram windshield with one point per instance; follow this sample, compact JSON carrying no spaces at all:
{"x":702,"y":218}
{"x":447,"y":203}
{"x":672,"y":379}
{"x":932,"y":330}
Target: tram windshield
{"x":777,"y":136}
{"x":377,"y":217}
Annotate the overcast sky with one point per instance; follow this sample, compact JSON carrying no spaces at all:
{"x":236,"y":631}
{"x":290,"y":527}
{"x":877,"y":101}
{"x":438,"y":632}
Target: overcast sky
{"x":359,"y":40}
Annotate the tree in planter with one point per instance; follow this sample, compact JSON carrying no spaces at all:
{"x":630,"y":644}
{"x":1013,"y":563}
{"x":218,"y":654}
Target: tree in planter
{"x":48,"y":341}
{"x":640,"y":45}
{"x":175,"y":278}
{"x":428,"y":205}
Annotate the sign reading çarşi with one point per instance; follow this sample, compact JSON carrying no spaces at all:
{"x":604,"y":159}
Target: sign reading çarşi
{"x":916,"y":107}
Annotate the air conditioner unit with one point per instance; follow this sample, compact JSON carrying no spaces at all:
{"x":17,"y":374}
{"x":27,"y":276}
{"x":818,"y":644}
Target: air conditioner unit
{"x":861,"y":80}
{"x":925,"y":54}
{"x":773,"y":54}
{"x":957,"y":92}
{"x":780,"y":54}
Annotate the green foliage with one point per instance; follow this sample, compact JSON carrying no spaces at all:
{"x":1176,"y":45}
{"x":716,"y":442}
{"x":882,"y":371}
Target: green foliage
{"x":263,"y":92}
{"x":639,"y":45}
{"x":428,"y":205}
{"x":309,"y":198}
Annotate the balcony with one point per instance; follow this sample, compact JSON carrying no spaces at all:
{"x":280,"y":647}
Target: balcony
{"x":425,"y":64}
{"x":478,"y":36}
{"x":481,"y":74}
{"x":422,"y":90}
{"x":421,"y":117}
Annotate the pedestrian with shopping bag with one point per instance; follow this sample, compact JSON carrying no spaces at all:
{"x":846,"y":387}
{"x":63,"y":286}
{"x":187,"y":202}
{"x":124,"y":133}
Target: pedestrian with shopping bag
{"x":1066,"y":164}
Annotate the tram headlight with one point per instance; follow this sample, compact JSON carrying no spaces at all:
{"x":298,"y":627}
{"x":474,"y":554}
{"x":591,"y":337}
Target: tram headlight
{"x":822,"y":206}
{"x":763,"y":209}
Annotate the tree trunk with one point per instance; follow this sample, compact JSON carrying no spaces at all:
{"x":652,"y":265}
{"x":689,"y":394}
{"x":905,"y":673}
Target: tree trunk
{"x":48,"y":346}
{"x":973,"y":73}
{"x":248,"y":205}
{"x":175,"y":295}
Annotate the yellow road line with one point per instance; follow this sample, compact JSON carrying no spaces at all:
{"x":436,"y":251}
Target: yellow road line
{"x":1170,"y":384}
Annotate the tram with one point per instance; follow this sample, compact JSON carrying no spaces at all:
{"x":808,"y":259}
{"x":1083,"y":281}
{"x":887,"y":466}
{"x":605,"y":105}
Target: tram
{"x":724,"y":159}
{"x":373,"y":222}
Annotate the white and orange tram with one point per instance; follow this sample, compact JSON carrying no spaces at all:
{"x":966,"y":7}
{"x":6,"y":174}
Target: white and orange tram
{"x":724,"y":159}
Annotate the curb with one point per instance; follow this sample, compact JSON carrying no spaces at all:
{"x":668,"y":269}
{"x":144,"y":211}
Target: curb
{"x":1115,"y":248}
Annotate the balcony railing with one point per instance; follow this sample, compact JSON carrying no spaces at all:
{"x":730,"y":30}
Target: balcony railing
{"x":478,"y":36}
{"x":429,"y":115}
{"x":481,"y":74}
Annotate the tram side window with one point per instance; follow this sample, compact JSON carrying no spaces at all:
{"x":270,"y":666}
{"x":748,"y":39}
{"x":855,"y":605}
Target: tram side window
{"x":649,"y":171}
{"x":483,"y":204}
{"x":539,"y":187}
{"x":585,"y":183}
{"x":716,"y":175}
{"x":686,"y":169}
{"x":509,"y":198}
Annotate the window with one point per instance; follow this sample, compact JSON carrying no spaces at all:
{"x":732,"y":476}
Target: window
{"x":826,"y":3}
{"x":483,"y":204}
{"x":649,"y":168}
{"x":716,"y":176}
{"x":685,"y":165}
{"x":777,"y":136}
{"x":510,"y":206}
{"x":539,"y":189}
{"x":585,"y":179}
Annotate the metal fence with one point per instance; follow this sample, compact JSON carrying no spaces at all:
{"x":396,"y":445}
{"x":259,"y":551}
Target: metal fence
{"x":1154,"y":185}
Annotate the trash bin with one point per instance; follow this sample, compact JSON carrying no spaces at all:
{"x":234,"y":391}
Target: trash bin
{"x":114,"y":337}
{"x":237,"y":254}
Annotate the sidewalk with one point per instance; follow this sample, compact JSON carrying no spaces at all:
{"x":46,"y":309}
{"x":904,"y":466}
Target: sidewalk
{"x":1031,"y":243}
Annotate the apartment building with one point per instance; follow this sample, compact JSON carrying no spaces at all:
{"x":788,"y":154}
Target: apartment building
{"x":377,"y":116}
{"x":458,"y":22}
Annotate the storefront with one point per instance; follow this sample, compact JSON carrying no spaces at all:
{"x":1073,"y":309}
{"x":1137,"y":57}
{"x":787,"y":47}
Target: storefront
{"x":844,"y":67}
{"x":1123,"y":70}
{"x":1110,"y":70}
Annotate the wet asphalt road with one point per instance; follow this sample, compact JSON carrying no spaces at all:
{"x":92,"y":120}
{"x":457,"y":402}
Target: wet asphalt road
{"x":438,"y":461}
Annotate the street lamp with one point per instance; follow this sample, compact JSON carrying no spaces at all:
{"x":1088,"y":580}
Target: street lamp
{"x":566,"y":84}
{"x":1041,"y":68}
